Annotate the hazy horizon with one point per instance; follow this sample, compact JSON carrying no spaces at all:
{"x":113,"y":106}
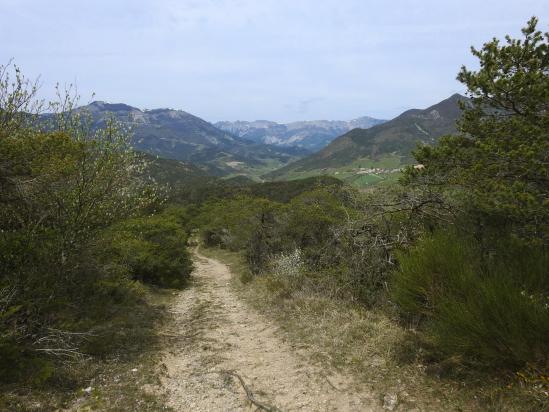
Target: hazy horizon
{"x":270,"y":60}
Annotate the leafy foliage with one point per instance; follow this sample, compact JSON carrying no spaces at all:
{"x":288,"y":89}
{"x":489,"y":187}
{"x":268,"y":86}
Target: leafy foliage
{"x":62,"y":185}
{"x":344,"y":242}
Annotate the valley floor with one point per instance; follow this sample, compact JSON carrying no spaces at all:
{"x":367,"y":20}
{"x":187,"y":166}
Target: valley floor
{"x":224,"y":356}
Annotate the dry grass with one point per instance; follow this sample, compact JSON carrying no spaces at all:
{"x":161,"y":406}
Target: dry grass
{"x":375,"y":348}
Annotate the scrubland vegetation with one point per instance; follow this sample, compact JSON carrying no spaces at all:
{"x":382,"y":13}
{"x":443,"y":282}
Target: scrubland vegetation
{"x":446,"y":270}
{"x":456,"y":253}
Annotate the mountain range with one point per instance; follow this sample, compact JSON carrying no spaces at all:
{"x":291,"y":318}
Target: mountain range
{"x":267,"y":150}
{"x":395,"y":138}
{"x":311,"y":135}
{"x":175,"y":134}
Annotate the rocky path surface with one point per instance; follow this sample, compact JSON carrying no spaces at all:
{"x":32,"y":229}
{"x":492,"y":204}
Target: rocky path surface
{"x":223,"y":356}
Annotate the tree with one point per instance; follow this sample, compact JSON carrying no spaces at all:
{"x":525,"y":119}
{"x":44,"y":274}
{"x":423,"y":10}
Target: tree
{"x":478,"y":285}
{"x":61,"y":184}
{"x":497,"y":167}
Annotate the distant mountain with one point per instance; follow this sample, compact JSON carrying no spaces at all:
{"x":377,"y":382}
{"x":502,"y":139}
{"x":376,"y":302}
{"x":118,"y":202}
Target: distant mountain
{"x":311,"y":135}
{"x":397,"y":137}
{"x":178,"y":135}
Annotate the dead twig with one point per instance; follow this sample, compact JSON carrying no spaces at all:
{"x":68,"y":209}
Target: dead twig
{"x":330,"y":382}
{"x":249,"y":393}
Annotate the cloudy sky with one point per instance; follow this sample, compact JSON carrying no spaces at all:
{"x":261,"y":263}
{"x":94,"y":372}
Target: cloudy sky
{"x":280,"y":60}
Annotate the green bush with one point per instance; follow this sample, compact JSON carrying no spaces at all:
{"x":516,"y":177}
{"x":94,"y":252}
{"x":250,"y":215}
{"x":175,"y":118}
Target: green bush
{"x":491,"y":308}
{"x":311,"y":218}
{"x":346,"y":250}
{"x":62,"y":185}
{"x":231,"y":223}
{"x":155,"y":249}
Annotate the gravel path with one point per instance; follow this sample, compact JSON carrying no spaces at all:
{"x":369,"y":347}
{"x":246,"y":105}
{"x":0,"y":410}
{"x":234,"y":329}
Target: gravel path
{"x":223,"y":356}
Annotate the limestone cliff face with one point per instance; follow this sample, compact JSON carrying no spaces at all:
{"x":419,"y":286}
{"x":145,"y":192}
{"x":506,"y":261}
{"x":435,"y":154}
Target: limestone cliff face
{"x":311,"y":135}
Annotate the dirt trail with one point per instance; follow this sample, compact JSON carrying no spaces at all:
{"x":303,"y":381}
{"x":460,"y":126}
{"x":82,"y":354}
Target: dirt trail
{"x":217,"y":338}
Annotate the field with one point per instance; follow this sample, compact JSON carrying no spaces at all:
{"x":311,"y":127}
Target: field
{"x":361,"y":173}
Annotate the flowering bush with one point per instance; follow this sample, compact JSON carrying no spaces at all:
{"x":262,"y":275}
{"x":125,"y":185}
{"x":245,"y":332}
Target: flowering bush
{"x":287,"y":264}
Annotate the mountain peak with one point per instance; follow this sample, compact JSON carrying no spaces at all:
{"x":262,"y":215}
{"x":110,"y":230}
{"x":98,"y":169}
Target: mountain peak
{"x":453,"y":99}
{"x":179,"y":135}
{"x":110,"y":107}
{"x":312,"y":135}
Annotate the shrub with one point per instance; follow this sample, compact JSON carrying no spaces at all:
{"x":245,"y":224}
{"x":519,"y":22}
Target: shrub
{"x":286,"y":274}
{"x":155,"y":249}
{"x":345,"y":252}
{"x":287,"y":264}
{"x":62,"y":184}
{"x":231,"y":223}
{"x":492,"y":309}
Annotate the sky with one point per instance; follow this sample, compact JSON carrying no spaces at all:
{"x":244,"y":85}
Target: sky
{"x":281,"y":60}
